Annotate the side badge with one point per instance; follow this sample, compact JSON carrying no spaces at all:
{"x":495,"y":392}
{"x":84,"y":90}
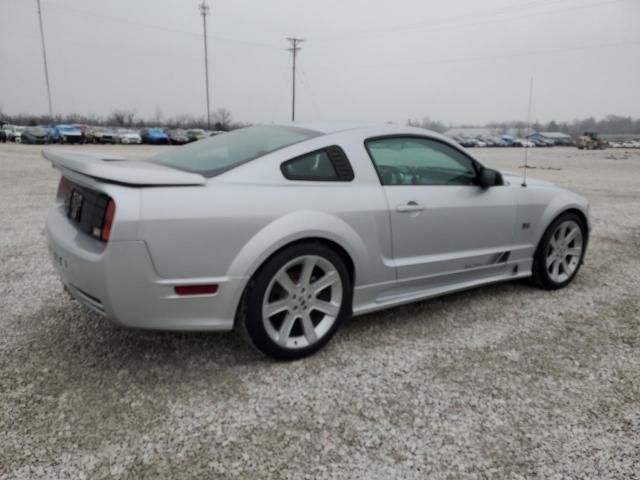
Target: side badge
{"x":526,"y":226}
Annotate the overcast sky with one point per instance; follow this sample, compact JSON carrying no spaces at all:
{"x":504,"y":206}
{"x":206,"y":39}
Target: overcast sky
{"x":457,"y":61}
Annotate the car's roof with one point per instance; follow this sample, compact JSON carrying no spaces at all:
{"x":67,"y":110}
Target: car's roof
{"x":335,"y":127}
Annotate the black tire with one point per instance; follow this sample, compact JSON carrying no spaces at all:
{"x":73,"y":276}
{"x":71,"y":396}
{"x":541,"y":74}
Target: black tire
{"x":541,"y":276}
{"x":250,"y":324}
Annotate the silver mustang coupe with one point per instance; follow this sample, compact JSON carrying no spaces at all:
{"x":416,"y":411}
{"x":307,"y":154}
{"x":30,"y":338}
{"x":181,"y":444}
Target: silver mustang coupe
{"x":285,"y":231}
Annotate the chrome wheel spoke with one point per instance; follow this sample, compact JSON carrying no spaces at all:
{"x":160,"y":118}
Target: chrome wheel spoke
{"x":307,"y":269}
{"x":285,"y":281}
{"x":574,"y":251}
{"x":309,"y":329}
{"x":277,"y":307}
{"x":555,"y":269}
{"x":285,"y":330}
{"x":325,"y":307}
{"x":571,"y":235}
{"x":327,"y":280}
{"x":550,"y":261}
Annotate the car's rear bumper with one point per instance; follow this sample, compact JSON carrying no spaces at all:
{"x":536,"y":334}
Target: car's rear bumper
{"x":118,"y":280}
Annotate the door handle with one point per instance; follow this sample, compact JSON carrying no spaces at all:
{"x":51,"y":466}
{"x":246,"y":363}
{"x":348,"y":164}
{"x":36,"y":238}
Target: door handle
{"x":410,"y":207}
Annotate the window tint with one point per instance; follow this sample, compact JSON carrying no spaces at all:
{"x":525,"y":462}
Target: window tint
{"x":215,"y":155}
{"x":419,"y":161}
{"x":313,"y":166}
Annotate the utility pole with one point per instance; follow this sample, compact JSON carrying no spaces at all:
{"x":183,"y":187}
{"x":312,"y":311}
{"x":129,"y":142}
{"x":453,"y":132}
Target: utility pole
{"x":204,"y":11}
{"x":44,"y":57}
{"x":294,"y":51}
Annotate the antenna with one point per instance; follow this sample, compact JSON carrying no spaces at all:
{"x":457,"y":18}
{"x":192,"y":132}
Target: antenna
{"x":526,"y":149}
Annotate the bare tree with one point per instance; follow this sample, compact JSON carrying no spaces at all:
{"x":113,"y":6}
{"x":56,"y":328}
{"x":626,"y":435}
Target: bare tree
{"x":223,"y":119}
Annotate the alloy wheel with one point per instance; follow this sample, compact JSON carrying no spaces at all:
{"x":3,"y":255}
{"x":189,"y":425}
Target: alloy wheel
{"x":564,"y":251}
{"x":302,"y":302}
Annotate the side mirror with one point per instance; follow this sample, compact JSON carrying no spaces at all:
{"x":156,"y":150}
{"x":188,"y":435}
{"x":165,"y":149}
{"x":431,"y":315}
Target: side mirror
{"x":489,"y":178}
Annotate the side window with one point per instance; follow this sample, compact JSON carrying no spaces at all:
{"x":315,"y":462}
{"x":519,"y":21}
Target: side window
{"x":420,"y":161}
{"x":327,"y":165}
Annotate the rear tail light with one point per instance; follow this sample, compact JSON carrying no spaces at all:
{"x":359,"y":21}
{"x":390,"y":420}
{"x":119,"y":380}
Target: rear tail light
{"x":108,"y":220}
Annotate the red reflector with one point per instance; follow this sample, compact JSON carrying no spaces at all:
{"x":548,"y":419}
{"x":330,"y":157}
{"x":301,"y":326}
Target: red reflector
{"x":108,"y":220}
{"x":196,"y":289}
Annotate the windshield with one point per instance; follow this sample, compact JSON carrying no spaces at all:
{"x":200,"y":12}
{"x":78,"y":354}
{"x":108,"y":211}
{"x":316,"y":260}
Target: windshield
{"x":215,"y":155}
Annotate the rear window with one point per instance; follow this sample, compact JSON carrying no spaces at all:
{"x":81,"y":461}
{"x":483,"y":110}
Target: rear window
{"x":218,"y":154}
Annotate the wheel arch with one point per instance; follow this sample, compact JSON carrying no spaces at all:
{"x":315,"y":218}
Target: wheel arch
{"x":303,"y":227}
{"x":574,"y":209}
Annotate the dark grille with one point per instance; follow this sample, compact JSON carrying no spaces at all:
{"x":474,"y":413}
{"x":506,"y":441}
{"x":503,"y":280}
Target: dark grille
{"x":92,"y":211}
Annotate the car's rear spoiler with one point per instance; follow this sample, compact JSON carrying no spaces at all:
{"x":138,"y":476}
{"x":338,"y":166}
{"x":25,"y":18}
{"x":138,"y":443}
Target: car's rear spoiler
{"x":120,"y":170}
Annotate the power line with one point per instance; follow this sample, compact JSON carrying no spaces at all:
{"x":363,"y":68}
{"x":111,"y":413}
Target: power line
{"x":447,"y":60}
{"x":160,"y":27}
{"x":294,"y":49}
{"x":439,"y":25}
{"x":204,"y":11}
{"x":44,"y":58}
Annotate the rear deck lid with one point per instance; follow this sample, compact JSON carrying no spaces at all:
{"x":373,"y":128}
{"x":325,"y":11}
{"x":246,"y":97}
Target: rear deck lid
{"x":120,"y":170}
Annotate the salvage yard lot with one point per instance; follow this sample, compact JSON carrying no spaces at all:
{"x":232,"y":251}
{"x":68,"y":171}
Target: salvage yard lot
{"x":505,"y":381}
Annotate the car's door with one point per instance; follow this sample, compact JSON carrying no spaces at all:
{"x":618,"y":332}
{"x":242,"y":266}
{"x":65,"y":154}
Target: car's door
{"x":445,"y":228}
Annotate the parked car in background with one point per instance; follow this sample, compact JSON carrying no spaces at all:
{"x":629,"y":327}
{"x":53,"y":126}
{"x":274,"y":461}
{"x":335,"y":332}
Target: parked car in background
{"x":103,"y":135}
{"x":83,"y":130}
{"x":178,"y":136}
{"x":541,"y":142}
{"x":154,"y":136}
{"x":523,"y":142}
{"x":8,"y":130}
{"x":499,"y":142}
{"x":66,"y":134}
{"x":196,"y":134}
{"x":17,"y":134}
{"x":127,"y":137}
{"x":350,"y":221}
{"x":36,"y":135}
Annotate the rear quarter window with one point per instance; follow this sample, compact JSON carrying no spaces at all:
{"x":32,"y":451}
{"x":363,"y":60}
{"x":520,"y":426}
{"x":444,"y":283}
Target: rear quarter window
{"x":329,"y":164}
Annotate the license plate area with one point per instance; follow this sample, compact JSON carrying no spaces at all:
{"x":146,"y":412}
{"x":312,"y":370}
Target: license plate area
{"x":86,"y":208}
{"x":74,"y":207}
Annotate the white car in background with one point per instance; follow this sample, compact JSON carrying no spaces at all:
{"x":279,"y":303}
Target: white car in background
{"x":17,"y":134}
{"x":13,"y":133}
{"x":128,"y":137}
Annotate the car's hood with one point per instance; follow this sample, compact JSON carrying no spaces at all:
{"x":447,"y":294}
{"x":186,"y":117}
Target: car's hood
{"x":516,"y":179}
{"x":130,"y":135}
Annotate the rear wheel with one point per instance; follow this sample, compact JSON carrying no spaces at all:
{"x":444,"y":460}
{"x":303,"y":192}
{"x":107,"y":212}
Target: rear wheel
{"x":296,"y":301}
{"x":560,"y":252}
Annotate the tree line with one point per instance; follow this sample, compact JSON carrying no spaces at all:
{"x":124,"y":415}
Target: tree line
{"x":611,"y":124}
{"x":221,"y":119}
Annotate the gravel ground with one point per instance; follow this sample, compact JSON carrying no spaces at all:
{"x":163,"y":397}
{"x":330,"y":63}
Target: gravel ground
{"x":505,"y":381}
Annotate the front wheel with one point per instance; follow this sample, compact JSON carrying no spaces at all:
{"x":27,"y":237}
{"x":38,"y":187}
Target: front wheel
{"x":560,"y":252}
{"x":296,"y":301}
